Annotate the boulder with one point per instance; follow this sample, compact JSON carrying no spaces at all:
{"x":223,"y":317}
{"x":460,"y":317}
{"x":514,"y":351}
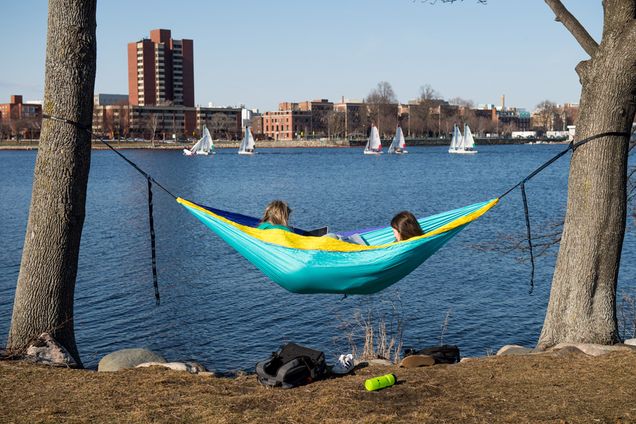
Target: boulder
{"x":594,"y":349}
{"x":509,"y":350}
{"x":128,"y":358}
{"x":567,"y":350}
{"x":191,"y":367}
{"x":630,"y":342}
{"x":47,"y":350}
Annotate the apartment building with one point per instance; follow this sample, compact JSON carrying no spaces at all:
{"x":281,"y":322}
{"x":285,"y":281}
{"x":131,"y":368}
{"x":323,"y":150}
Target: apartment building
{"x":161,"y":70}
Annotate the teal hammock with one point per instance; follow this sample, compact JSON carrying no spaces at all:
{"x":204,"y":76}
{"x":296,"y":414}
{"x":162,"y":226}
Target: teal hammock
{"x":307,"y":264}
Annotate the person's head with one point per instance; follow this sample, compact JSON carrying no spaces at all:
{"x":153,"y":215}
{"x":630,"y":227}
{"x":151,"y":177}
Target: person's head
{"x":277,"y":213}
{"x":405,"y":226}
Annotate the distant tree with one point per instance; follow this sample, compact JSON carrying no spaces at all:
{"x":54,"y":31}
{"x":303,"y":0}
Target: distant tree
{"x":458,"y":101}
{"x":382,"y":103}
{"x":219,"y":124}
{"x":335,"y":123}
{"x":46,"y":282}
{"x":152,"y":123}
{"x":545,"y":114}
{"x":428,"y":93}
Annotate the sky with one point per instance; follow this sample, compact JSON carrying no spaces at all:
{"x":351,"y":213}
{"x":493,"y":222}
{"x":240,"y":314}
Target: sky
{"x":260,"y":53}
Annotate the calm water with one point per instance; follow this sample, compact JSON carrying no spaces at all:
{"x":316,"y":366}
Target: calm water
{"x":218,"y":309}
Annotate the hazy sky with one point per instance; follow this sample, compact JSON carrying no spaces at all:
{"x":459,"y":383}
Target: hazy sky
{"x":260,"y":53}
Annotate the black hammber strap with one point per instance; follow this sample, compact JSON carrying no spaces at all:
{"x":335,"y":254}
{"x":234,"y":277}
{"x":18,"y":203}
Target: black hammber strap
{"x":150,"y":182}
{"x":522,"y":185}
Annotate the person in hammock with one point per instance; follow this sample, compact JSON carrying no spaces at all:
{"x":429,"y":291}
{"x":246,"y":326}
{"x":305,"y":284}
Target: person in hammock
{"x":405,"y":226}
{"x":276,"y":216}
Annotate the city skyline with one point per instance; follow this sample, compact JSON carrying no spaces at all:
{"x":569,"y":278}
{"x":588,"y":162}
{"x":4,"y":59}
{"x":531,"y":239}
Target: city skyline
{"x":260,"y":54}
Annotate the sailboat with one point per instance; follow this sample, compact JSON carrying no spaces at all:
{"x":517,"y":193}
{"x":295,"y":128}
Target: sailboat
{"x":204,"y":146}
{"x":374,"y":146}
{"x":247,"y":145}
{"x":462,"y":144}
{"x":398,"y":145}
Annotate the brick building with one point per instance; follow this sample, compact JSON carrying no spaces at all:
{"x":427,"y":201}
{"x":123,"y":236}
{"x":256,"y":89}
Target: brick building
{"x":19,"y":119}
{"x":287,"y":124}
{"x":161,"y":70}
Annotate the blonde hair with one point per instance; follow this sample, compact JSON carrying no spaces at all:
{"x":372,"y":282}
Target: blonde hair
{"x":277,"y":213}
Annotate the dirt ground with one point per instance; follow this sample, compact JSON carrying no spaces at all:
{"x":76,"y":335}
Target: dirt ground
{"x":554,"y":388}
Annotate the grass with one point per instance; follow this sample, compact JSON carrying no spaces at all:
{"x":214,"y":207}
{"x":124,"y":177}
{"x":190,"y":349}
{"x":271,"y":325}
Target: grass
{"x":538,"y":388}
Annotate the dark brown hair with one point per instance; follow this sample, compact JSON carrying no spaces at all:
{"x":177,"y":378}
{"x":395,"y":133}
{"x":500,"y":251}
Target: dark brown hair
{"x":406,"y":225}
{"x":277,"y":213}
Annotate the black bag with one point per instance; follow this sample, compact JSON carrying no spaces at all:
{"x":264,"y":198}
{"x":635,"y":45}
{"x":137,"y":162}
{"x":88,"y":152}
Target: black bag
{"x":446,"y":354}
{"x":292,"y":366}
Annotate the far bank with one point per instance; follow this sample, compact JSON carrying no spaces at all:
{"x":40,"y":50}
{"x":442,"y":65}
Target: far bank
{"x":234,"y":144}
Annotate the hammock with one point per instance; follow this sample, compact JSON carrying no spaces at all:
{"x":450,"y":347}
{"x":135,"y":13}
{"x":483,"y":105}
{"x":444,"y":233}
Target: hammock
{"x":306,"y":264}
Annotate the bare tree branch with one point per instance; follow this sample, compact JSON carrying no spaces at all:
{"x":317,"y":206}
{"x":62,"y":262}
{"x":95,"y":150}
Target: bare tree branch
{"x":579,"y":32}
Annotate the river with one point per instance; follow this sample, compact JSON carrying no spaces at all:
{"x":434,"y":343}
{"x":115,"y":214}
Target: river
{"x":218,"y":309}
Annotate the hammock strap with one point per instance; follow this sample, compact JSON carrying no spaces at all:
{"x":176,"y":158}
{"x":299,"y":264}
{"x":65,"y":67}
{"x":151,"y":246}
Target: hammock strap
{"x":529,"y":234}
{"x":153,"y":251}
{"x":572,"y":146}
{"x":522,"y":185}
{"x":150,"y":180}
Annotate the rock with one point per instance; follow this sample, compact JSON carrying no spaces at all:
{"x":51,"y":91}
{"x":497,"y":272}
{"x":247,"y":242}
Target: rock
{"x":415,"y":361}
{"x":594,"y":349}
{"x":47,"y":350}
{"x":509,"y":350}
{"x":468,"y":359}
{"x":128,"y":358}
{"x":191,"y":367}
{"x":630,"y":342}
{"x":206,"y":374}
{"x":568,"y":350}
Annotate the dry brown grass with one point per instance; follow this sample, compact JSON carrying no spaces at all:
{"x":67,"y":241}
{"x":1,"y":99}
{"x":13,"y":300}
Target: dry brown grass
{"x":539,"y":388}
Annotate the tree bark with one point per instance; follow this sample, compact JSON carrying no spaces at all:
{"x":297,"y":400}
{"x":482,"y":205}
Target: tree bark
{"x":582,"y":306}
{"x":46,"y":282}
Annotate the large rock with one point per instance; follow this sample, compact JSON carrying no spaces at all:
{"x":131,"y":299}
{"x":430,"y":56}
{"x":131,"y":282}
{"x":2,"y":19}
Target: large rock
{"x":191,"y":367}
{"x":47,"y":350}
{"x":415,"y":361}
{"x":509,"y":350}
{"x":128,"y":358}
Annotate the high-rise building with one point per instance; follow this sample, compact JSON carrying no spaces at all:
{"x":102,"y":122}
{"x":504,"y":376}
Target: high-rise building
{"x":161,"y":70}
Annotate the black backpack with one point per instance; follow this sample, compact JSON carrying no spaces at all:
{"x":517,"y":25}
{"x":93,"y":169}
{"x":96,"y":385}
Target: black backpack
{"x":292,"y":366}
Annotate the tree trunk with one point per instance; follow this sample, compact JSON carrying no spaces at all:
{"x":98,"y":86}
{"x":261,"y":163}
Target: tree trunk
{"x":582,"y":306}
{"x":46,"y":283}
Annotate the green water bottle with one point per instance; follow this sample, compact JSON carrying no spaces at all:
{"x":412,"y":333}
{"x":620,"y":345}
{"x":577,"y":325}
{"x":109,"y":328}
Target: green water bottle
{"x":377,"y":383}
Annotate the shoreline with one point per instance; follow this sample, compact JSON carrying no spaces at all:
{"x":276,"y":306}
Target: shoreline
{"x":294,"y":144}
{"x":559,"y":387}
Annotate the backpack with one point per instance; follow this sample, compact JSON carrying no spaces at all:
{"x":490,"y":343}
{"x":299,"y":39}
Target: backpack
{"x":292,"y":366}
{"x":446,"y":354}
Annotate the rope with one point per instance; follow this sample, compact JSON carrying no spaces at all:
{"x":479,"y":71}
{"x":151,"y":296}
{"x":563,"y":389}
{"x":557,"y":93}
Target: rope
{"x":150,"y":181}
{"x":522,"y":184}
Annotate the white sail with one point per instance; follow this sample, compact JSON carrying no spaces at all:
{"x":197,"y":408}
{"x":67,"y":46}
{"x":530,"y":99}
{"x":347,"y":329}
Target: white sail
{"x":398,"y":145}
{"x":247,"y":144}
{"x":462,"y":144}
{"x":374,"y":146}
{"x":469,"y":141}
{"x":456,"y":141}
{"x":202,"y":147}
